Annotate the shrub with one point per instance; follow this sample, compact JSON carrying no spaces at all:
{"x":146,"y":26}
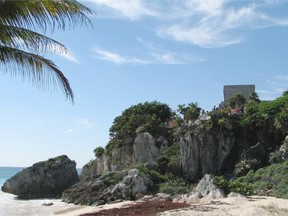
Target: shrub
{"x":99,"y":151}
{"x":271,"y":180}
{"x":155,"y":176}
{"x":174,"y":186}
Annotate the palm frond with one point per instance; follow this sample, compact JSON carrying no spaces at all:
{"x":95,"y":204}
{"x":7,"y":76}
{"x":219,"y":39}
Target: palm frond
{"x":38,"y":69}
{"x":43,"y":14}
{"x":26,"y":39}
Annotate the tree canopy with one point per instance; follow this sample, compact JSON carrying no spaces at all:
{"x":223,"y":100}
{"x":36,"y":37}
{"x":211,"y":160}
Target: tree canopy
{"x":143,"y":117}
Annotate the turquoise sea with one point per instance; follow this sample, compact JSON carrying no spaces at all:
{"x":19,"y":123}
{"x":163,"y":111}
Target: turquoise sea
{"x":7,"y":172}
{"x":10,"y":205}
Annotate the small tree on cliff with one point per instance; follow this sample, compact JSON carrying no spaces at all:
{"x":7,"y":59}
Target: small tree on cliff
{"x":99,"y":151}
{"x":190,"y":112}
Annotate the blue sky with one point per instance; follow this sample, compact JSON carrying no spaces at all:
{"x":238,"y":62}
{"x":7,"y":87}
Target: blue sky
{"x":171,"y":51}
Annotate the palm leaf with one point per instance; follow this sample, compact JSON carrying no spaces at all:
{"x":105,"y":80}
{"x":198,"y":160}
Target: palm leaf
{"x":43,"y":13}
{"x":38,"y":69}
{"x":26,"y":39}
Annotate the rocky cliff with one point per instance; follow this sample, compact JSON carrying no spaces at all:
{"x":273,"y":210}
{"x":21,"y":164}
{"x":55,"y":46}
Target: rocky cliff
{"x":47,"y":179}
{"x":201,"y":149}
{"x":188,"y":146}
{"x":145,"y":150}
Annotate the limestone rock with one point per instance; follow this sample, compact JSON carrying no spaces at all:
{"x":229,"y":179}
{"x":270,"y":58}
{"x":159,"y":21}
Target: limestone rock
{"x":203,"y":152}
{"x":145,"y":149}
{"x":284,"y":149}
{"x":254,"y":152}
{"x":47,"y":179}
{"x":234,"y":194}
{"x":138,"y":182}
{"x":119,"y":191}
{"x":208,"y":189}
{"x":93,"y":191}
{"x":108,"y":188}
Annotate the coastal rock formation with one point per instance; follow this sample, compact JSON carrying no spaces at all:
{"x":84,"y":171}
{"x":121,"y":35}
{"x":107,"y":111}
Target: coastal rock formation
{"x":203,"y":152}
{"x":108,"y":188}
{"x":145,"y":149}
{"x":200,"y":152}
{"x":47,"y":179}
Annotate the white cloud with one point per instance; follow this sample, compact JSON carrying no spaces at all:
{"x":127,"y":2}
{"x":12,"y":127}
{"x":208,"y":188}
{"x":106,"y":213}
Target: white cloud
{"x":154,"y":56}
{"x":218,"y":29}
{"x":116,"y":58}
{"x":163,"y":56}
{"x":203,"y":36}
{"x":282,"y":77}
{"x":205,"y":6}
{"x":68,"y":130}
{"x":126,"y":8}
{"x":205,"y":23}
{"x":274,"y":87}
{"x":85,"y":123}
{"x":69,"y":56}
{"x":79,"y":124}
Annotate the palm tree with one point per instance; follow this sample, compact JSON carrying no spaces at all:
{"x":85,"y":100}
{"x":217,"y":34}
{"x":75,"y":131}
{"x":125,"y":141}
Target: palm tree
{"x":21,"y":44}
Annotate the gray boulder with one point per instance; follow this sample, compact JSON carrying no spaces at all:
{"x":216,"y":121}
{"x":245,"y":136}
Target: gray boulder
{"x":119,"y":192}
{"x":207,"y":188}
{"x":138,"y":182}
{"x":94,"y":191}
{"x":47,"y":179}
{"x":254,"y":152}
{"x":110,"y":187}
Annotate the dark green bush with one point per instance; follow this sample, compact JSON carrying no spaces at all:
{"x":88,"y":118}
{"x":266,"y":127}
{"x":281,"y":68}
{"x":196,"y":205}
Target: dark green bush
{"x":271,"y":180}
{"x":174,"y":186}
{"x":149,"y":117}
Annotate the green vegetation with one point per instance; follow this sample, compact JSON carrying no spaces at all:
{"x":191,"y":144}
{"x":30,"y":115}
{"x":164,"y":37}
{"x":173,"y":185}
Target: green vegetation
{"x":172,"y":154}
{"x":271,"y":180}
{"x":99,"y":151}
{"x":165,"y":183}
{"x":112,"y":178}
{"x":174,"y":186}
{"x":155,"y":176}
{"x":255,"y":121}
{"x":149,"y":117}
{"x":190,"y":112}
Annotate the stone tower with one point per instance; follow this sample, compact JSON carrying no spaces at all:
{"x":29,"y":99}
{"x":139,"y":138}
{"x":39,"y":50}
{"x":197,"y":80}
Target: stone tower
{"x":231,"y":90}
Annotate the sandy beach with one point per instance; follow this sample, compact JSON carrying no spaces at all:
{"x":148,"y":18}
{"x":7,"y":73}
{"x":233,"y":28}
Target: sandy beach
{"x":77,"y":210}
{"x":234,"y":206}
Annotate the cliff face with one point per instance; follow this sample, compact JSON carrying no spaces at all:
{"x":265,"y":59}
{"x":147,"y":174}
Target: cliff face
{"x":201,"y":151}
{"x":205,"y":151}
{"x":145,"y":149}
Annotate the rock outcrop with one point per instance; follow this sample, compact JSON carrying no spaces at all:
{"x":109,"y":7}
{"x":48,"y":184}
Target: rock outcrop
{"x":108,"y":188}
{"x":47,"y":179}
{"x":207,"y":188}
{"x":145,"y":149}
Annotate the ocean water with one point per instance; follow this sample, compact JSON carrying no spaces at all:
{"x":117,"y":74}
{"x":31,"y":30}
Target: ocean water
{"x":10,"y":205}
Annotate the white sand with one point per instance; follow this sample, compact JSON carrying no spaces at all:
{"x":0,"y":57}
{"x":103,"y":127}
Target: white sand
{"x":236,"y":206}
{"x":11,"y":206}
{"x":78,"y":210}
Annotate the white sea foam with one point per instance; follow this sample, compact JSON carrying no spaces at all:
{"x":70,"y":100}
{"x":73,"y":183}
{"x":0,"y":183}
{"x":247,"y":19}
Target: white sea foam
{"x":11,"y":206}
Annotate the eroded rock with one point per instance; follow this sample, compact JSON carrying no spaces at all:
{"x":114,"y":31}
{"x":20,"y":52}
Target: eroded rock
{"x":47,"y":179}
